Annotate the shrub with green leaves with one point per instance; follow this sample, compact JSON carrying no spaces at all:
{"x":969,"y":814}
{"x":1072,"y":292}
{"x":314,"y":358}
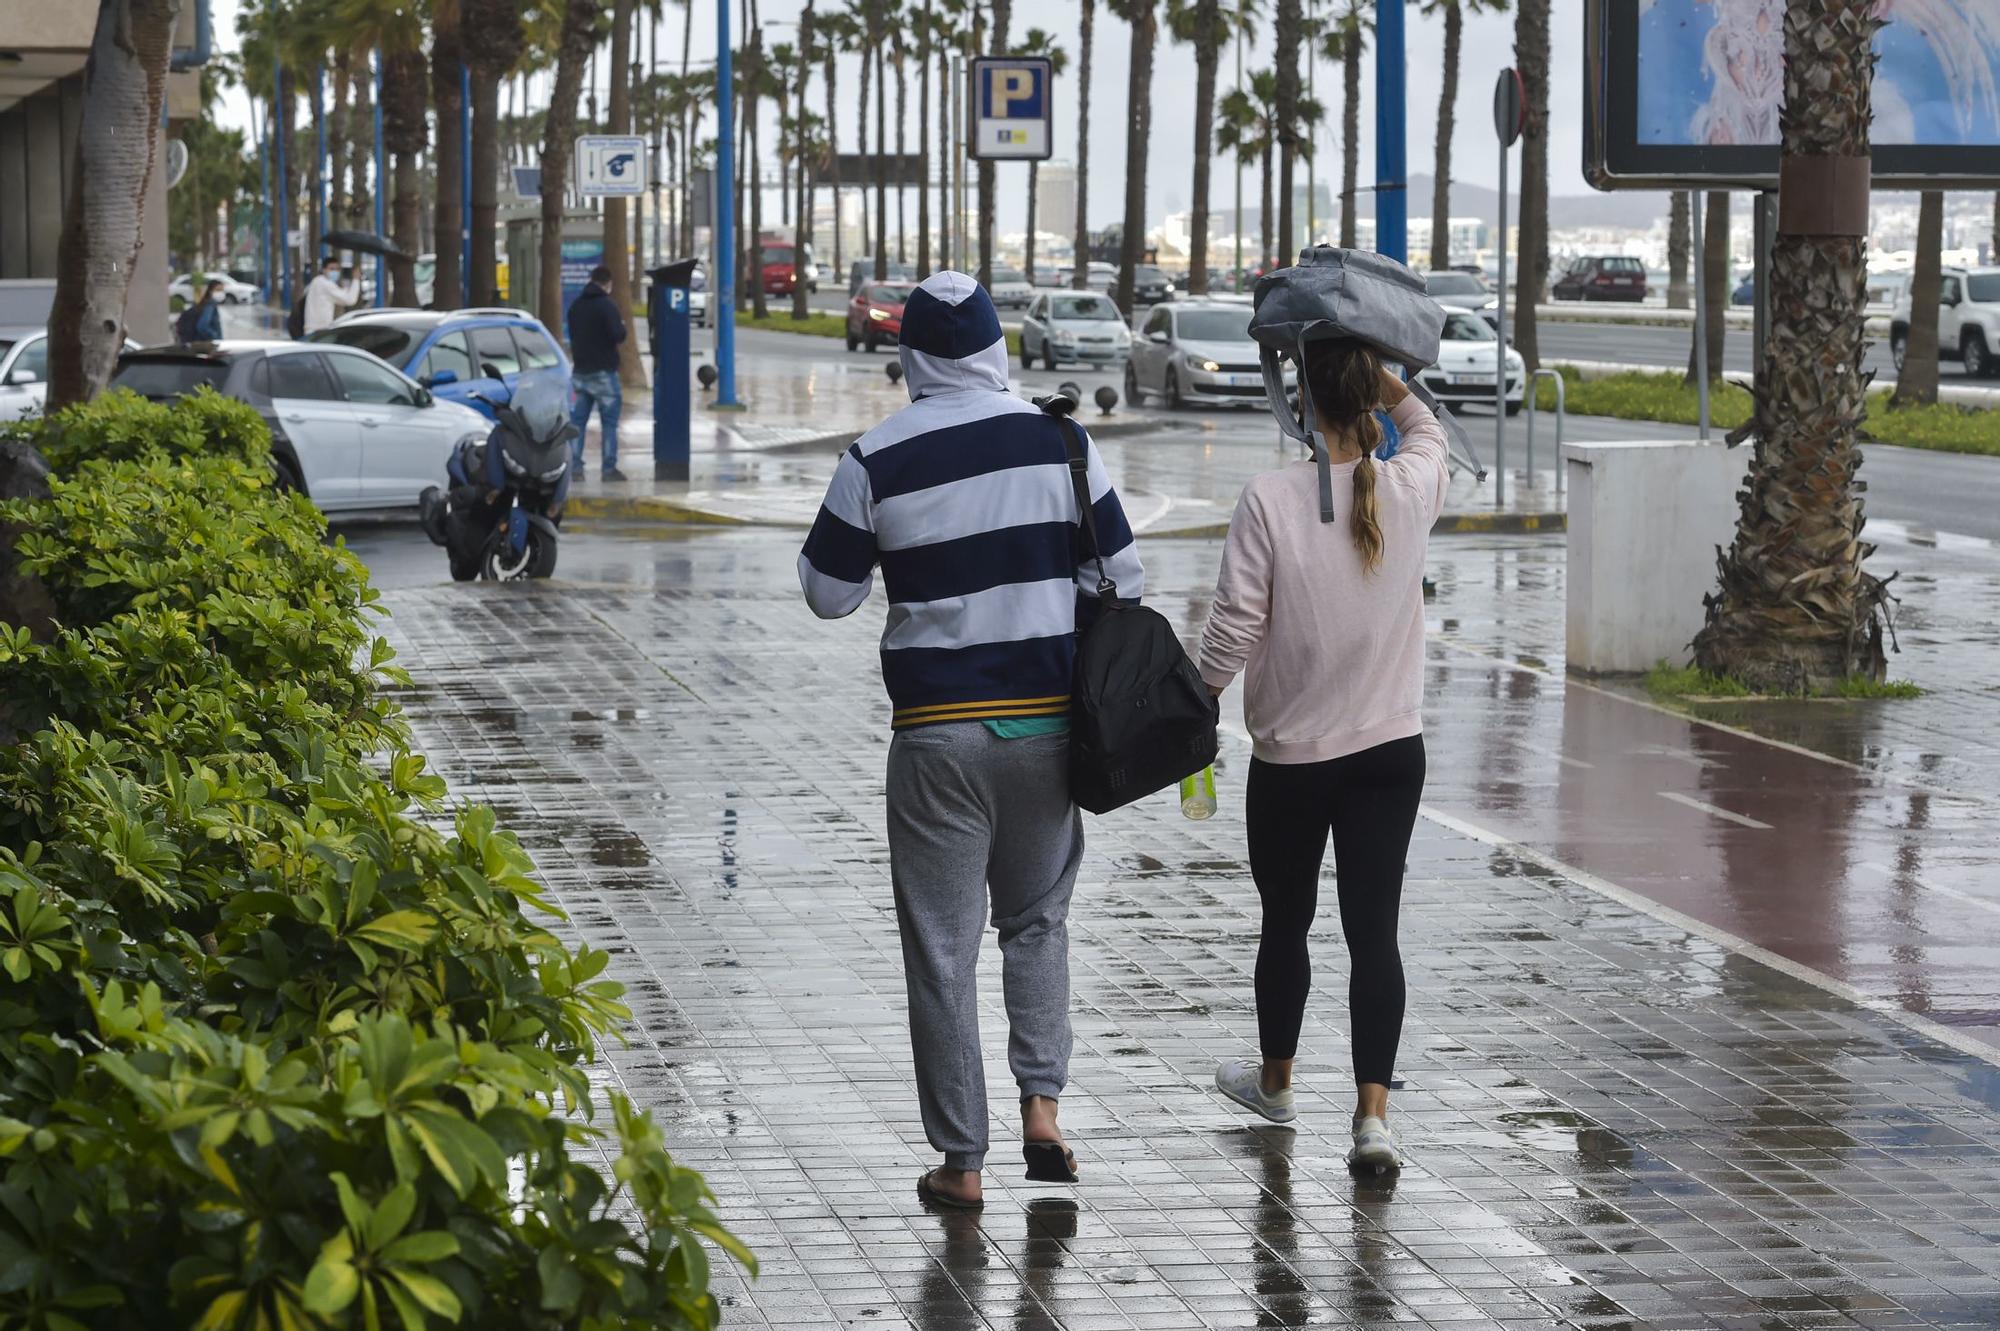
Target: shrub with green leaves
{"x":278,"y":1046}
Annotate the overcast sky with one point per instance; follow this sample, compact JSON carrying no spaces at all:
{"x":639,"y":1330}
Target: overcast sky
{"x":1489,"y":40}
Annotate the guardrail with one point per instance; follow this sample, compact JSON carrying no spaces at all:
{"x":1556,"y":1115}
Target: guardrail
{"x":1533,"y":380}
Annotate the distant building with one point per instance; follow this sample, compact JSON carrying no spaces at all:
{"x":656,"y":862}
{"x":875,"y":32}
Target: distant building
{"x":1055,"y":199}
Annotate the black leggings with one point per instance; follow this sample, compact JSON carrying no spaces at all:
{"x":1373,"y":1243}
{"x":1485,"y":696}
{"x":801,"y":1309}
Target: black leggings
{"x":1368,"y":800}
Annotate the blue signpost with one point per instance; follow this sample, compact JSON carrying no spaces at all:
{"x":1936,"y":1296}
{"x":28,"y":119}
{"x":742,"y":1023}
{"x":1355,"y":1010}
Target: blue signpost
{"x":722,"y":291}
{"x":1392,"y":195}
{"x":465,"y":184}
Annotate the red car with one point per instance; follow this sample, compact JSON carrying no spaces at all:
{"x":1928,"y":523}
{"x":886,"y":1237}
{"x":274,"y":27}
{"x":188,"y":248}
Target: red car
{"x":777,"y":271}
{"x":875,"y":315}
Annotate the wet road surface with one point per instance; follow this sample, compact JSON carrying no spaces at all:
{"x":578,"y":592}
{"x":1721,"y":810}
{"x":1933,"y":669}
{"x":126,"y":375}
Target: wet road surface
{"x":1615,"y":1118}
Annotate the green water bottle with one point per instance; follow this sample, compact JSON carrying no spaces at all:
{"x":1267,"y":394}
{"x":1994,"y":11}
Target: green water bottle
{"x":1198,"y":794}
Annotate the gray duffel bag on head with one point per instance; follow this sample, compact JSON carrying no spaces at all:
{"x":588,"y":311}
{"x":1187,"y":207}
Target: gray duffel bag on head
{"x":1332,"y":294}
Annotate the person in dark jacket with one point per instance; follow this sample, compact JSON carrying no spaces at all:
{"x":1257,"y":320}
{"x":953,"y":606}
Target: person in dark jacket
{"x":202,"y":321}
{"x":596,"y":328}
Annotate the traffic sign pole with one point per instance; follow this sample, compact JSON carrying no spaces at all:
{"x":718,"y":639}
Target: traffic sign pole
{"x":1392,"y":197}
{"x":722,"y":291}
{"x":1509,"y":118}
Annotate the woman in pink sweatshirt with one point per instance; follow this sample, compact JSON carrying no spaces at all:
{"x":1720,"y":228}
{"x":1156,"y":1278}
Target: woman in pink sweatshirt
{"x":1327,"y":622}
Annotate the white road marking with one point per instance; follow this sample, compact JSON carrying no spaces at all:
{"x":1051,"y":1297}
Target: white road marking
{"x":1712,"y":810}
{"x":1952,"y":892}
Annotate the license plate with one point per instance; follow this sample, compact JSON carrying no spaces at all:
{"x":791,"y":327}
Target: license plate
{"x":1486,"y":379}
{"x":1245,"y":380}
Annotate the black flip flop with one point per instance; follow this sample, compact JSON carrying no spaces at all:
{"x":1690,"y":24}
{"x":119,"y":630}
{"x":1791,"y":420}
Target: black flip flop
{"x":1049,"y":1162}
{"x":928,"y":1193}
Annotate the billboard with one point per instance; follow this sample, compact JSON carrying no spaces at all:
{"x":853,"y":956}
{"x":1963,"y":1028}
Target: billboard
{"x":1010,"y":108}
{"x":1688,"y":92}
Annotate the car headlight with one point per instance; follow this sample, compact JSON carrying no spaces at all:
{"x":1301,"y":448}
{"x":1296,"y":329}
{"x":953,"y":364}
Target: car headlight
{"x":1063,"y":335}
{"x":878,"y":314}
{"x":1207,"y":366}
{"x":1514,"y":361}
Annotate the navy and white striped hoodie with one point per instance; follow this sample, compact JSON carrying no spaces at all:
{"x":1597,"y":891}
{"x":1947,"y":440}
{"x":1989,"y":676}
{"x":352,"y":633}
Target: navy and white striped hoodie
{"x":964,"y":499}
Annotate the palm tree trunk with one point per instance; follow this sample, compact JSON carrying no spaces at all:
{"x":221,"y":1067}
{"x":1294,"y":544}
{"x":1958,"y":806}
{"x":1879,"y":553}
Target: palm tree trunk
{"x":802,"y":217}
{"x":1269,"y":217}
{"x":1080,"y":269}
{"x":1138,"y":131}
{"x":1795,"y":611}
{"x":1917,"y":381}
{"x":1454,"y":33}
{"x":447,"y":59}
{"x":1034,"y":186}
{"x":881,"y":161}
{"x":1680,"y":239}
{"x":861,"y":138}
{"x":1002,"y":14}
{"x":482,"y":279}
{"x":336,"y":137}
{"x":924,"y":146}
{"x":1350,"y":130}
{"x":117,"y":144}
{"x":558,"y":132}
{"x":1715,"y":281}
{"x":687,"y":148}
{"x":1531,"y":57}
{"x":947,"y":152}
{"x":759,"y":305}
{"x":1289,"y":35}
{"x":617,"y":228}
{"x":902,"y":97}
{"x":833,"y":158}
{"x":360,"y":135}
{"x":1205,"y":57}
{"x":405,"y":135}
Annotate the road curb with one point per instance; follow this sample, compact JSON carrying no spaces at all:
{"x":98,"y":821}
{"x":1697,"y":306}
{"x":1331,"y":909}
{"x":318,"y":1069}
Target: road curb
{"x":652,"y":508}
{"x":656,"y":508}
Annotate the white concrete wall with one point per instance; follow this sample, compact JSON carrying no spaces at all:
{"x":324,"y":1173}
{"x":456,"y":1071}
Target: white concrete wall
{"x":1644,"y":523}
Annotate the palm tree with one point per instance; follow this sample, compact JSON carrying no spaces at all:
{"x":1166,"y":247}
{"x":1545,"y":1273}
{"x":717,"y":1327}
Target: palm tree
{"x":1290,"y":35}
{"x":898,"y":49}
{"x":579,"y":37}
{"x":1345,"y":40}
{"x":1038,"y":43}
{"x":395,"y":31}
{"x":447,"y":59}
{"x":1917,"y":374}
{"x":1080,"y":262}
{"x":117,"y":144}
{"x":1454,"y":12}
{"x":617,"y":234}
{"x":1531,"y":60}
{"x":493,"y":39}
{"x":861,"y":38}
{"x":1248,"y":132}
{"x":1203,"y":25}
{"x":1680,"y":238}
{"x":1144,"y":17}
{"x":1795,"y":611}
{"x":921,"y":46}
{"x":1002,"y":13}
{"x":803,"y":143}
{"x":836,"y":33}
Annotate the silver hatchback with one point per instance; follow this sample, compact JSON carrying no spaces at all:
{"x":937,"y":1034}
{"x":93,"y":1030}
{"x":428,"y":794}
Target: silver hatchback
{"x":1076,"y":326}
{"x":1196,"y":351}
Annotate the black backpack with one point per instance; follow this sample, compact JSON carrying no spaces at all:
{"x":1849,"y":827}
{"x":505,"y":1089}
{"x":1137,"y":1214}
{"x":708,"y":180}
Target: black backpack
{"x":1140,"y":716}
{"x":184,"y":325}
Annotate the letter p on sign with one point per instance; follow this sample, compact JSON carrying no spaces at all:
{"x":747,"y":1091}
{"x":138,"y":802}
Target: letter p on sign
{"x":1011,"y":86}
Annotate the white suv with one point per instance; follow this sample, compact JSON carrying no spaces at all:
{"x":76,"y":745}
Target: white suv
{"x":1968,"y":321}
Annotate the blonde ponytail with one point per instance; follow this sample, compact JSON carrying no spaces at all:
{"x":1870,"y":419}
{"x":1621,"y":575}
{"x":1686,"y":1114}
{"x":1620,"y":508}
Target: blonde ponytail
{"x":1365,"y":524}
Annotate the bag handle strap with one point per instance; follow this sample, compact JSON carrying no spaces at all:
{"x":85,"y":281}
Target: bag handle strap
{"x":1059,"y":406}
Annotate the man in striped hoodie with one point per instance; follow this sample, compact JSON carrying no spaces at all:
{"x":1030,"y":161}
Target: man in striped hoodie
{"x":965,"y":500}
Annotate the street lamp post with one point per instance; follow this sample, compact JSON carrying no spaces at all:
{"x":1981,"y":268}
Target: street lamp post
{"x":1392,"y":198}
{"x":722,"y":292}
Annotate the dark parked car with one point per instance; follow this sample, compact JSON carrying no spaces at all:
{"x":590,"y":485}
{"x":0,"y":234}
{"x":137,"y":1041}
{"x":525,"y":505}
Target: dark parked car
{"x":1151,"y":285}
{"x":1602,"y":277}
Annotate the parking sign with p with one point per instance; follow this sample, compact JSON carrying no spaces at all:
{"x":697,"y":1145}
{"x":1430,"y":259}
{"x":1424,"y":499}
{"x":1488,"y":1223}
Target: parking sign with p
{"x":1010,"y":107}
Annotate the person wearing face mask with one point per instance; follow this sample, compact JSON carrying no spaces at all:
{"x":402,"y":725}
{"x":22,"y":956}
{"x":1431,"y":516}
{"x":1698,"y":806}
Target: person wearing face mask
{"x":334,"y":290}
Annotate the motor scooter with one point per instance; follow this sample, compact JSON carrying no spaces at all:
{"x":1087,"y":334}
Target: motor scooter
{"x":500,"y":514}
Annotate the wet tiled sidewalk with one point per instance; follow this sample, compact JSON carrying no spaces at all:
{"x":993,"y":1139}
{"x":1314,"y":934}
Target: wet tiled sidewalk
{"x":1611,"y":1121}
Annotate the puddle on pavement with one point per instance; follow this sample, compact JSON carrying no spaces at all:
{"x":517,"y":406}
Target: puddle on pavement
{"x":617,"y":848}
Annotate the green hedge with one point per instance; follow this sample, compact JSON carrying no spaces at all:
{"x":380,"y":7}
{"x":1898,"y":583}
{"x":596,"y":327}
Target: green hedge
{"x":283,"y":1041}
{"x":1665,"y":397}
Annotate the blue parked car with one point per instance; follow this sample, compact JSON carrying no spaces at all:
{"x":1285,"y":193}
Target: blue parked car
{"x":455,"y":353}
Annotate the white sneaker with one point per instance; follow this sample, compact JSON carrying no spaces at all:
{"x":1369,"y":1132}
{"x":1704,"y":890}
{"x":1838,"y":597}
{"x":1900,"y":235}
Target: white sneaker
{"x":1374,"y":1146}
{"x":1242,"y":1080}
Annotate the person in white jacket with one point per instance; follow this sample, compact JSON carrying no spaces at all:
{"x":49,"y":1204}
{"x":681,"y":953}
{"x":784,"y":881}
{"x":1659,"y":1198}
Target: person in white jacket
{"x":334,"y":290}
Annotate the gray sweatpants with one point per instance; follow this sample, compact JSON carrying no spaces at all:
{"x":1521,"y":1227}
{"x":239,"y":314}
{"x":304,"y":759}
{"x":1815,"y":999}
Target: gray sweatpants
{"x":972,"y":817}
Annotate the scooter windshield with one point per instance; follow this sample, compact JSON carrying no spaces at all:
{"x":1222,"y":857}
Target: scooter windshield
{"x":541,"y":406}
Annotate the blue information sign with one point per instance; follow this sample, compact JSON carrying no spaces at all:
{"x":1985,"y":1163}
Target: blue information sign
{"x":1011,"y":98}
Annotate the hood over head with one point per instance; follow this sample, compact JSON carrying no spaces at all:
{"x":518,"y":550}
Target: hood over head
{"x":951,"y":340}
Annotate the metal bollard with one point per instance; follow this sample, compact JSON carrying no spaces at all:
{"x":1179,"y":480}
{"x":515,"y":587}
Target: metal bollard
{"x":1532,"y":395}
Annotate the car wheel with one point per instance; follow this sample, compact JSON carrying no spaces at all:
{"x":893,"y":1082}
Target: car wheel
{"x":1899,"y":347}
{"x":1978,"y":361}
{"x":869,"y":343}
{"x":852,"y":341}
{"x":1133,"y":394}
{"x":285,"y":477}
{"x":1174,"y":400}
{"x":1048,"y":357}
{"x":1513,"y":408}
{"x":1027,"y":356}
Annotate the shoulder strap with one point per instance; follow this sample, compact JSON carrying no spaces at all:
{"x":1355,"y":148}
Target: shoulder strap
{"x":1059,"y":408}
